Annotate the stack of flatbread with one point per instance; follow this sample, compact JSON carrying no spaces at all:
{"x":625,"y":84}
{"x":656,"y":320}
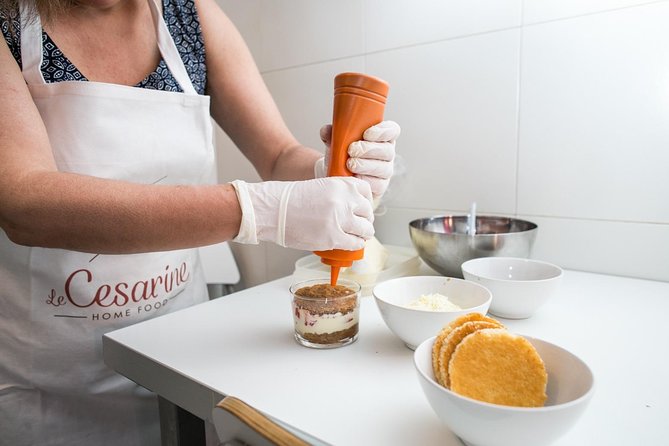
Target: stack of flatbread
{"x":475,"y":356}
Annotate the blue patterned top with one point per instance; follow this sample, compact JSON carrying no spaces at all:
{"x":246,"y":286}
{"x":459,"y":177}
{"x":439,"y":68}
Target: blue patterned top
{"x":184,"y":26}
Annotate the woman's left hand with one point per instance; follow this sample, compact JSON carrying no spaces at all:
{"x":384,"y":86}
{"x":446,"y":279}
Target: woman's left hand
{"x":370,"y":159}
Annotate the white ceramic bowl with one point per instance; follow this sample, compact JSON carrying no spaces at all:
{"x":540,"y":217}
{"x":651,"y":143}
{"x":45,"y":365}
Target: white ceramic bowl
{"x":413,"y":325}
{"x":518,"y":286}
{"x":570,"y":388}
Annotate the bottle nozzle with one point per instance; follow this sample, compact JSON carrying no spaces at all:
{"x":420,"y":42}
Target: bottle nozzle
{"x":334,"y":275}
{"x":338,"y":258}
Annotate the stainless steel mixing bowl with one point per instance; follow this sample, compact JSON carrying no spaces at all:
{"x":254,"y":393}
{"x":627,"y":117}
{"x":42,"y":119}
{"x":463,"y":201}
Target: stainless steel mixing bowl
{"x":444,"y":244}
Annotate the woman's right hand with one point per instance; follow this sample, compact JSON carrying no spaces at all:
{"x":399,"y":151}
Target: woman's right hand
{"x":313,"y":215}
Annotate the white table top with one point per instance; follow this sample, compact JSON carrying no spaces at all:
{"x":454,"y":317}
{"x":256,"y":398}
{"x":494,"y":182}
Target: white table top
{"x":367,"y":393}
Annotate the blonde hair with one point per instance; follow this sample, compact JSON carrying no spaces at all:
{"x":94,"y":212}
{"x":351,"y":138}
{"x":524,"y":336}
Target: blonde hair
{"x":46,"y":8}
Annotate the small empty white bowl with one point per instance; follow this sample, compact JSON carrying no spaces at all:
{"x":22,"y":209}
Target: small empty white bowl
{"x":519,"y":287}
{"x":414,"y":325}
{"x":570,"y":388}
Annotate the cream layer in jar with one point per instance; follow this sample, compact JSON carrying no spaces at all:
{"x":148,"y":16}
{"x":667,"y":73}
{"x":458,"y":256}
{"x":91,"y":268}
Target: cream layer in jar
{"x":307,"y":322}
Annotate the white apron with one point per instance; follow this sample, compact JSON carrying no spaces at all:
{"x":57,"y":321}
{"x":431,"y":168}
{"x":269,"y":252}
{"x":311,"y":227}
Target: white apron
{"x":55,"y":305}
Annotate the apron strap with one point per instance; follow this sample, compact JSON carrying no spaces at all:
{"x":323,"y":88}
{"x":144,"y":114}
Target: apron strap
{"x":168,"y":50}
{"x":31,"y":48}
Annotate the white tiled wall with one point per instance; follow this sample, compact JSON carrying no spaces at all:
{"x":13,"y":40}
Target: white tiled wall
{"x":456,"y":101}
{"x":555,"y":111}
{"x":544,"y":10}
{"x":396,"y":23}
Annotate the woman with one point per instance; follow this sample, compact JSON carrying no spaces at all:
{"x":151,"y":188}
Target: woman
{"x":107,"y":183}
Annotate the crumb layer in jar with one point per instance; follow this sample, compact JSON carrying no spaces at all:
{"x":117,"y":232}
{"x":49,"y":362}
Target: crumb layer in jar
{"x":331,"y":338}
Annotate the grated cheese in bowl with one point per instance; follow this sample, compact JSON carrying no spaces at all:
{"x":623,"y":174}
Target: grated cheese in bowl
{"x":433,"y":302}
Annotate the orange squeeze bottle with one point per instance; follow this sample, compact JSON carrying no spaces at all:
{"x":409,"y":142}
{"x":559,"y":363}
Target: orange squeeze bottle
{"x":359,"y":103}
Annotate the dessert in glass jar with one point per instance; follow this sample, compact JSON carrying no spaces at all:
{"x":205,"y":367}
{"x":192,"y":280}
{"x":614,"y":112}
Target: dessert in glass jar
{"x":326,"y":316}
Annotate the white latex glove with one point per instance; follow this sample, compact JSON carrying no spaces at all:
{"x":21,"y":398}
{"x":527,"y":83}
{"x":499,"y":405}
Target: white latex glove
{"x":370,"y":159}
{"x":313,"y":215}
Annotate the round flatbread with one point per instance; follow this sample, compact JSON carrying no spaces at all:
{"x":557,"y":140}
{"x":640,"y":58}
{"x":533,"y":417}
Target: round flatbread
{"x":495,"y":366}
{"x":453,"y":339}
{"x":436,"y":347}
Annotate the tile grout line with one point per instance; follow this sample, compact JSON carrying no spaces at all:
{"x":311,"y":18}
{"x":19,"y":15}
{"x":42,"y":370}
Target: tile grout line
{"x":587,"y":14}
{"x":518,"y":104}
{"x":387,"y":50}
{"x":364,"y":35}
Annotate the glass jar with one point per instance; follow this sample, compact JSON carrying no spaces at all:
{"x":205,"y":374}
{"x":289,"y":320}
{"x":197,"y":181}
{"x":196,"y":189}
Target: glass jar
{"x":325,"y":316}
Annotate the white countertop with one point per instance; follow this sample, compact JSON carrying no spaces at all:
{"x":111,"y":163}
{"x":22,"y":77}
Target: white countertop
{"x":367,"y":393}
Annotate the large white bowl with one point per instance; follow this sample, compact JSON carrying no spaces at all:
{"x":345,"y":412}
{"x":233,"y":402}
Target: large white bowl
{"x":519,"y":286}
{"x":570,"y":388}
{"x":413,"y":325}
